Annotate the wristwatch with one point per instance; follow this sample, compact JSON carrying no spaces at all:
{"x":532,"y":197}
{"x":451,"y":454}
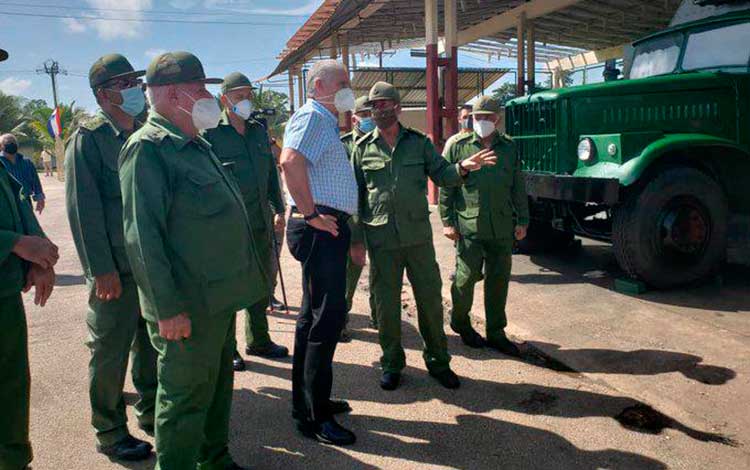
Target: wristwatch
{"x":312,"y":215}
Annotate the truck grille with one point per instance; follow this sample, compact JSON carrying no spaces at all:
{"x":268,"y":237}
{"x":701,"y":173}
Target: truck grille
{"x":532,"y":126}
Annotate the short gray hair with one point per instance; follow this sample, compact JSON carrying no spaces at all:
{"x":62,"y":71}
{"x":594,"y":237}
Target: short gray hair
{"x":8,"y":136}
{"x":155,"y":95}
{"x":323,"y":70}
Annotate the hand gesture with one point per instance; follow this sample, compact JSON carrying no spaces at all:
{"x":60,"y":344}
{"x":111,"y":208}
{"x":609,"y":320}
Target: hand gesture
{"x":451,"y":233}
{"x":175,"y":328}
{"x":43,"y":279}
{"x":40,"y":206}
{"x":358,"y":254}
{"x":37,"y":250}
{"x":108,"y":286}
{"x":485,"y":157}
{"x":520,"y":232}
{"x":279,"y":223}
{"x":325,"y":223}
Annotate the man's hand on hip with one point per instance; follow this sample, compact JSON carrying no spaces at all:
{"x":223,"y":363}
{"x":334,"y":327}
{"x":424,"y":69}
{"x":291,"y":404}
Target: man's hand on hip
{"x":108,"y":286}
{"x":325,"y":223}
{"x":175,"y":328}
{"x":358,"y":254}
{"x":520,"y":232}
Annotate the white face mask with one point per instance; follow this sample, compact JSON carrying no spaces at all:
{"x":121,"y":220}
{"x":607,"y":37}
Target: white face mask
{"x":484,"y":128}
{"x":242,"y":108}
{"x":206,"y":112}
{"x":343,"y":100}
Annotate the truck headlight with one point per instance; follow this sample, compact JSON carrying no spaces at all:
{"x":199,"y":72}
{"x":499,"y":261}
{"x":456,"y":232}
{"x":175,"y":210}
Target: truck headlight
{"x":585,"y":149}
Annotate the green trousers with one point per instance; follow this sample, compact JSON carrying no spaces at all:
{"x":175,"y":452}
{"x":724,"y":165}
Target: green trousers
{"x":353,"y":272}
{"x":496,"y":256}
{"x":194,"y":399}
{"x":256,"y":321}
{"x":386,"y":280}
{"x":15,"y":448}
{"x":116,"y":329}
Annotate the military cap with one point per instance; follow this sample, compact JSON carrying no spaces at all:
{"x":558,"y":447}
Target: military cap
{"x":234,"y":81}
{"x":486,"y":105}
{"x":384,"y":91}
{"x":110,"y":67}
{"x":3,"y":55}
{"x":176,"y":67}
{"x":361,"y":104}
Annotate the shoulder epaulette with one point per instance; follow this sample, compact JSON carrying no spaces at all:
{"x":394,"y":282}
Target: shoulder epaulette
{"x":507,"y":138}
{"x":94,"y":123}
{"x":151,"y":134}
{"x":415,"y":131}
{"x":367,"y":137}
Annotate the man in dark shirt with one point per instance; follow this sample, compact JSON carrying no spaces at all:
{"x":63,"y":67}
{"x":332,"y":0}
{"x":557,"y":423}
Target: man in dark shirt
{"x":22,"y":169}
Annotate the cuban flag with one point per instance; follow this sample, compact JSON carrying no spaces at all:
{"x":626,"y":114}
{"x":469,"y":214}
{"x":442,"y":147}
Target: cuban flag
{"x":54,"y":124}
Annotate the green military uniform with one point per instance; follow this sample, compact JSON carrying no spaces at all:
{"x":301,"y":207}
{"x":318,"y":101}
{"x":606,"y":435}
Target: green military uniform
{"x":482,"y":211}
{"x":248,"y":157}
{"x":395,"y":219}
{"x":190,"y":245}
{"x":16,"y":219}
{"x":94,"y":207}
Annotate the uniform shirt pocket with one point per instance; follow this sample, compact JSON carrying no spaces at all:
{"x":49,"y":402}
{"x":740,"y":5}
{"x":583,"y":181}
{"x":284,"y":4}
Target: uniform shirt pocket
{"x":205,"y":194}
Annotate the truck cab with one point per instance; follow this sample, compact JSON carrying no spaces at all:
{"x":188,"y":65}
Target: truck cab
{"x":658,"y":163}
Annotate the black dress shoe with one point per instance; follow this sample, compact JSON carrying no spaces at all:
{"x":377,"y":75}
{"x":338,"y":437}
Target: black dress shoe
{"x":276,"y":304}
{"x":447,"y":378}
{"x":331,"y":432}
{"x":345,"y":336}
{"x":128,"y":449}
{"x":238,"y":363}
{"x":390,"y":380}
{"x":505,"y":346}
{"x":338,"y":406}
{"x":472,"y":339}
{"x":270,"y":350}
{"x":235,"y":466}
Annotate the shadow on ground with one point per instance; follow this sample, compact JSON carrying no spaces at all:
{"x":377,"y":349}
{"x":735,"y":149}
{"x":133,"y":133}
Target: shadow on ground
{"x":503,"y":444}
{"x":69,"y":280}
{"x":596,"y":264}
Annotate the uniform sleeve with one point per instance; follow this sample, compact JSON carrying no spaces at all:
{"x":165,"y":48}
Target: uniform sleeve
{"x":441,"y":172}
{"x":145,"y":185}
{"x":447,"y":202}
{"x":305,"y":134}
{"x":355,"y":222}
{"x":36,"y":185}
{"x":274,"y":189}
{"x":8,"y":240}
{"x":518,"y":193}
{"x":84,"y":205}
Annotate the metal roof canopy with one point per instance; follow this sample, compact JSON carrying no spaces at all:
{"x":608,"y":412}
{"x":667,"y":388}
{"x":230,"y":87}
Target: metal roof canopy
{"x":581,"y":24}
{"x":412,"y":86}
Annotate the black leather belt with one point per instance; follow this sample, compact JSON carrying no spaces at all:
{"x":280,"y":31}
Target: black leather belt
{"x":340,"y":215}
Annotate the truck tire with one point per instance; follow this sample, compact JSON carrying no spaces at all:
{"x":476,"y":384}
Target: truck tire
{"x":673,"y":230}
{"x":541,"y":237}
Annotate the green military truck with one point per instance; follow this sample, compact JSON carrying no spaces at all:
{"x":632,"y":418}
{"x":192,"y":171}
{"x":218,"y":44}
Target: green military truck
{"x":658,"y":163}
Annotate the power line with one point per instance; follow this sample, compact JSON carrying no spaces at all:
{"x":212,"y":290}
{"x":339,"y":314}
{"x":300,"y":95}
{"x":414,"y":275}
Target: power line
{"x":145,"y":20}
{"x":158,"y":12}
{"x":52,"y":68}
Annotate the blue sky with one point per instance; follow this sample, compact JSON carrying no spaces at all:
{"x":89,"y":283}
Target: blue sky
{"x":223,"y":48}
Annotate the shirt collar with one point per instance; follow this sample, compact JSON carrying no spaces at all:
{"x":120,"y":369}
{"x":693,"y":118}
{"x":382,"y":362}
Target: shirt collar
{"x":323,"y":110}
{"x":376,"y":133}
{"x":19,"y":157}
{"x":108,"y":119}
{"x":179,"y":138}
{"x":495,"y":138}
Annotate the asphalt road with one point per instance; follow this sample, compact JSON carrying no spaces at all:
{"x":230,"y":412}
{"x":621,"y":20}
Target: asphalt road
{"x":685,"y":353}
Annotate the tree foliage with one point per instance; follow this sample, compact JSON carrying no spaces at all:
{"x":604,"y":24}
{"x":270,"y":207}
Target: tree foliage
{"x":270,"y":99}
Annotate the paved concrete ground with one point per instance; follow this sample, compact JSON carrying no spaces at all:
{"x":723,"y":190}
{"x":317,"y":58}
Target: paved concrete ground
{"x":685,"y":352}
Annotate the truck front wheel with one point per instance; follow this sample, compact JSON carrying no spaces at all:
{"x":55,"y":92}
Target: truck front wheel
{"x":673,"y":230}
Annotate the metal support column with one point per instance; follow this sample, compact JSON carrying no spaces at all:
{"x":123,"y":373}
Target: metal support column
{"x":450,"y":71}
{"x":530,"y":56}
{"x":346,"y":125}
{"x":300,"y":93}
{"x":291,"y":91}
{"x":521,"y":56}
{"x":431,"y":79}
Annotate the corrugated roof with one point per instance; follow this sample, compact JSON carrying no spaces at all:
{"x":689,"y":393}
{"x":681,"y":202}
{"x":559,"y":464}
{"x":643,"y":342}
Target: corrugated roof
{"x":411,"y":82}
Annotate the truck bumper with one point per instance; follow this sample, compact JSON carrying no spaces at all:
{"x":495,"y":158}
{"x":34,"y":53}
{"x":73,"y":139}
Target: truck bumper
{"x":573,"y":188}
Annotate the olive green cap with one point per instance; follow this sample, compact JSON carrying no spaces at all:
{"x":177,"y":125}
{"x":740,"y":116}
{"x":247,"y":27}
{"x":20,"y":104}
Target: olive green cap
{"x":110,"y":67}
{"x":384,"y":91}
{"x":361,"y":105}
{"x":3,"y":55}
{"x":176,"y":67}
{"x":486,"y":105}
{"x":234,"y":81}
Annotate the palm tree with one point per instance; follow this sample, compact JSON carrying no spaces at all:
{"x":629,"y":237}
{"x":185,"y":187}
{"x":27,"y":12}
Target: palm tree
{"x":70,"y":116}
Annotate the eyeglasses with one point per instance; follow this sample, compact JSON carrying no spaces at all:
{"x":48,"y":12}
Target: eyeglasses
{"x":122,"y":84}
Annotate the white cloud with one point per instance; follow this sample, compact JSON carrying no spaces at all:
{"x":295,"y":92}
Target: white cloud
{"x":131,"y":10}
{"x":153,"y":52}
{"x":74,"y":25}
{"x":14,"y":86}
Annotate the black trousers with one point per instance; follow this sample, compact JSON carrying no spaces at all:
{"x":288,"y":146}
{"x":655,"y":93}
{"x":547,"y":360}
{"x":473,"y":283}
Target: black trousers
{"x":323,"y":311}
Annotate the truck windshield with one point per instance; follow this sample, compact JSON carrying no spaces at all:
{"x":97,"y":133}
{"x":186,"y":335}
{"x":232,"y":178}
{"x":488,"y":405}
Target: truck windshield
{"x":726,"y":48}
{"x":656,"y":57}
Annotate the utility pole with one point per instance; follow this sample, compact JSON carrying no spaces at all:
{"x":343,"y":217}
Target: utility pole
{"x":52,"y":68}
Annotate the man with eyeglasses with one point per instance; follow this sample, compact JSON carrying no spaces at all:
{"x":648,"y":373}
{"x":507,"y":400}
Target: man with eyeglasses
{"x":94,"y":206}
